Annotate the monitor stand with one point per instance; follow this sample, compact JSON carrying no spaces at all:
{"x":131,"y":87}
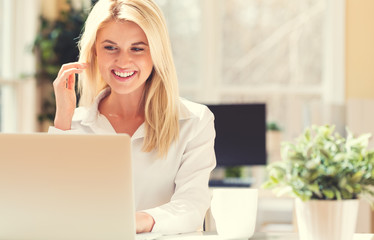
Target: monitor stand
{"x":231,"y":182}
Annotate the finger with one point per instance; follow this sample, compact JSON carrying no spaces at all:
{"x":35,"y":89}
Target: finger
{"x":65,"y":76}
{"x":70,"y":82}
{"x":68,"y":66}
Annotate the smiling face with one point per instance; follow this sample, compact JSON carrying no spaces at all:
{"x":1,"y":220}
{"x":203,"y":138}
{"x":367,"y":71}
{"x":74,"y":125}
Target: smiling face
{"x":123,"y":57}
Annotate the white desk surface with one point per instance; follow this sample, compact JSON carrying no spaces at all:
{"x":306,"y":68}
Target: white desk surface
{"x":256,"y":236}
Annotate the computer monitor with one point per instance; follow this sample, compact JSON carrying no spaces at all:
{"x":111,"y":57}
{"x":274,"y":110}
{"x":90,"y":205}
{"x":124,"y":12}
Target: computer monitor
{"x":240,"y":134}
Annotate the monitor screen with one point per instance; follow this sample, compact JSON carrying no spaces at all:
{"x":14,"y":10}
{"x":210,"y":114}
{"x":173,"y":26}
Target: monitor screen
{"x":240,"y":134}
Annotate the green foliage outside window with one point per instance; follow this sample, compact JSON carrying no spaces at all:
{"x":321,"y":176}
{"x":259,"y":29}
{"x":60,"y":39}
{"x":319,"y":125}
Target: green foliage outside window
{"x":56,"y":44}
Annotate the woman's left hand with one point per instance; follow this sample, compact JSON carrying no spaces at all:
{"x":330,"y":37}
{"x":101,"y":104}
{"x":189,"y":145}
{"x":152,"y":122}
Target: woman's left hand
{"x":144,"y":222}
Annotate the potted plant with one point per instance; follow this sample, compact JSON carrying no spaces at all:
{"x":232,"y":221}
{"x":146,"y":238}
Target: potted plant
{"x":327,"y":173}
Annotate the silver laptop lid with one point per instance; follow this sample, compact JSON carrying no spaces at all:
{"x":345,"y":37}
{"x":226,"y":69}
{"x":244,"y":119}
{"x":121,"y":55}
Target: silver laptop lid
{"x":66,"y":187}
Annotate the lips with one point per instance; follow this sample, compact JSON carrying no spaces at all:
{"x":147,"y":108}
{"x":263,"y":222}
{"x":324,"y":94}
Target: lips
{"x":124,"y":75}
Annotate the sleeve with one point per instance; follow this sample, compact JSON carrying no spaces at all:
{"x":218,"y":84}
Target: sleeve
{"x":191,"y":199}
{"x":76,"y":127}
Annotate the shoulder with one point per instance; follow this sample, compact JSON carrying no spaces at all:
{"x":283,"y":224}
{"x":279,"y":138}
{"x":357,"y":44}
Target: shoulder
{"x":196,"y":122}
{"x":192,"y":110}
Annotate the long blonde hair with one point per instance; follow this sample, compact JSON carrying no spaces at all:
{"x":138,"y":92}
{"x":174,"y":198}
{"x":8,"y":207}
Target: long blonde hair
{"x":160,"y":100}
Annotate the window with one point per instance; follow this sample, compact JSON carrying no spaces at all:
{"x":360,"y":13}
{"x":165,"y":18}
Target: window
{"x":273,"y":51}
{"x":18,"y":21}
{"x":184,"y":19}
{"x":287,"y":53}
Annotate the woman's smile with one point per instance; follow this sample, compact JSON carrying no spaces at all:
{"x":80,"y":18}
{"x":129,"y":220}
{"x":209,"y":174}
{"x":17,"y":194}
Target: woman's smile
{"x":124,"y":75}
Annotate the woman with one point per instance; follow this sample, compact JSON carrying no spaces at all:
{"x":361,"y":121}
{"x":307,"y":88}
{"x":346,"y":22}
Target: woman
{"x":129,"y":85}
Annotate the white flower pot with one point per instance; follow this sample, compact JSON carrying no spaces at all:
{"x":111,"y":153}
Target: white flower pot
{"x":326,"y":219}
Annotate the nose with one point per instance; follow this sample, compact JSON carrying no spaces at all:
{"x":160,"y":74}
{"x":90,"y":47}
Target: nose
{"x":123,"y":59}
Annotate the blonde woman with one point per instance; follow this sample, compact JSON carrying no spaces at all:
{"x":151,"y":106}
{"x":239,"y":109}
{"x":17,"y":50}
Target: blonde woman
{"x":129,"y":85}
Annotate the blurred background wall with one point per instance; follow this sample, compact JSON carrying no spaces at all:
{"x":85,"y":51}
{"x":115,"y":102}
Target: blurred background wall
{"x":360,"y":66}
{"x":310,"y":61}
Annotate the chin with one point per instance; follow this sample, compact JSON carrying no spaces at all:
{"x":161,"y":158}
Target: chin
{"x":126,"y":90}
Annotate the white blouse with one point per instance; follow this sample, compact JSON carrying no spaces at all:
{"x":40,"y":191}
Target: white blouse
{"x":173,"y":190}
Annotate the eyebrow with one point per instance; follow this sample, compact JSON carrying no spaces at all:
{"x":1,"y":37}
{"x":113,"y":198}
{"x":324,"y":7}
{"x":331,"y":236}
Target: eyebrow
{"x":139,"y":43}
{"x":133,"y":44}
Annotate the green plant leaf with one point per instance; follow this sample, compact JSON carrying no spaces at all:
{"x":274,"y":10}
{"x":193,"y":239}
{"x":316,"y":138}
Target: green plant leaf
{"x":357,"y":176}
{"x":338,"y":194}
{"x":321,"y":164}
{"x":328,"y":193}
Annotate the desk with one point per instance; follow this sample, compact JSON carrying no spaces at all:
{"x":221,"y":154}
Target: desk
{"x":256,"y":236}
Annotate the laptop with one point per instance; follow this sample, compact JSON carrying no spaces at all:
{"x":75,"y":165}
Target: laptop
{"x":66,"y":187}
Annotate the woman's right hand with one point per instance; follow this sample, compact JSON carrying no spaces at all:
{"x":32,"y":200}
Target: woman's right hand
{"x":64,"y":87}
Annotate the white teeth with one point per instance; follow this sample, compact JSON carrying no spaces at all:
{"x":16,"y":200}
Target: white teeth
{"x":124,"y":74}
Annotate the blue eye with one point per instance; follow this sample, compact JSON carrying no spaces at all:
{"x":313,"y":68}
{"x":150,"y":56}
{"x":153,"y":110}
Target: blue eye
{"x":110,"y":48}
{"x":137,"y":49}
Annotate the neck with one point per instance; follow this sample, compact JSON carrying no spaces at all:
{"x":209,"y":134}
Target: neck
{"x":125,"y":106}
